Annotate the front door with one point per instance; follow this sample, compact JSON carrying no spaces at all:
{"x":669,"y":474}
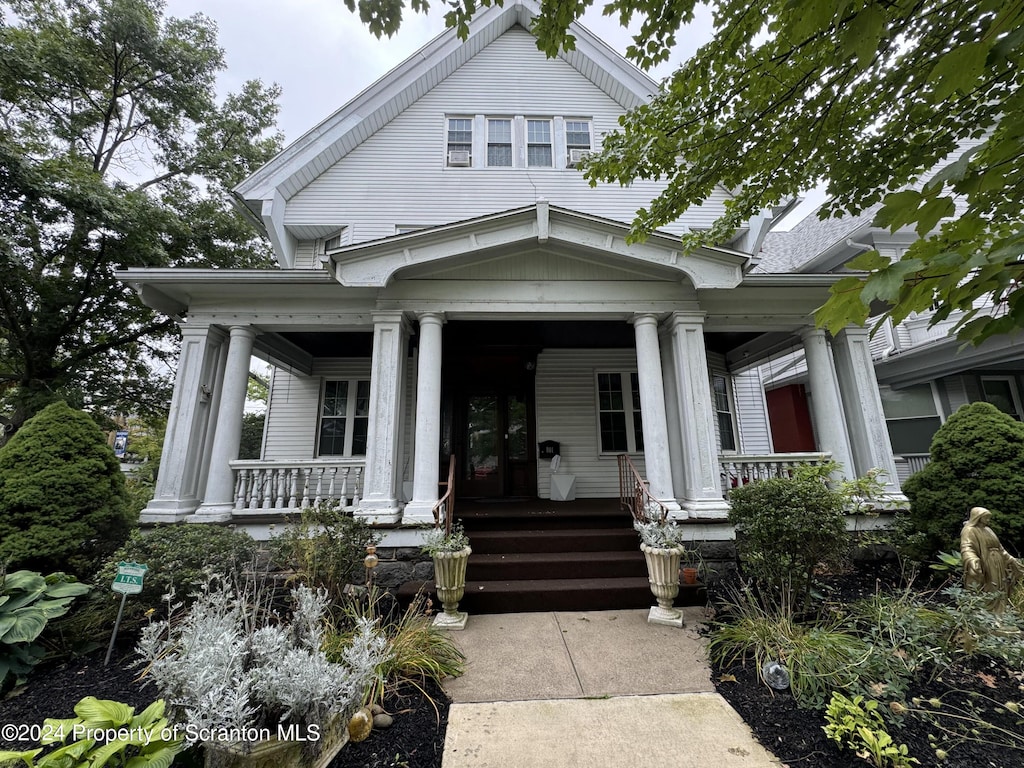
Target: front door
{"x":494,"y":445}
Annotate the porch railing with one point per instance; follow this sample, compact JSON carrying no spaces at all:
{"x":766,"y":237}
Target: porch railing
{"x":635,"y":495}
{"x":739,"y":470}
{"x":444,"y":509}
{"x":273,"y":485}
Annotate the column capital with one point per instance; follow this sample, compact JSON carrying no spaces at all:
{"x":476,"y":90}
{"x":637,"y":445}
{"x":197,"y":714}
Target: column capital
{"x":431,"y":318}
{"x":687,"y":318}
{"x":855,"y":332}
{"x":644,"y":318}
{"x":242,"y":331}
{"x":812,"y":332}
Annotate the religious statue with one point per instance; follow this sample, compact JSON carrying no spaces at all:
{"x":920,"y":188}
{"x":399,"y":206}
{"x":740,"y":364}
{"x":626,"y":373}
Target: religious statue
{"x":987,"y":566}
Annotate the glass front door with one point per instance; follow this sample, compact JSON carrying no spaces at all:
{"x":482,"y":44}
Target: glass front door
{"x":495,"y":446}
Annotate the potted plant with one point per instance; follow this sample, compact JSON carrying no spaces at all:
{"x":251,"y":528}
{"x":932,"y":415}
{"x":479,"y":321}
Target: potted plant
{"x":254,"y":688}
{"x":662,"y":545}
{"x":449,"y":549}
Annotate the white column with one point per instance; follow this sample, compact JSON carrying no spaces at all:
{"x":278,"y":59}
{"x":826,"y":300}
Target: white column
{"x":826,"y":403}
{"x":869,"y":437}
{"x":379,"y":501}
{"x":178,"y":485}
{"x":701,"y":495}
{"x":652,"y":409}
{"x":218,"y":501}
{"x":426,"y":465}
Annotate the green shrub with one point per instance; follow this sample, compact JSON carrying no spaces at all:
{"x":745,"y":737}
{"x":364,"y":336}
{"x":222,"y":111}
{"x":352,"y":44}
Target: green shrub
{"x":179,"y":558}
{"x":63,"y":505}
{"x":785,"y":528}
{"x":857,"y":725}
{"x":324,"y":546}
{"x":977,"y":460}
{"x":27,"y":602}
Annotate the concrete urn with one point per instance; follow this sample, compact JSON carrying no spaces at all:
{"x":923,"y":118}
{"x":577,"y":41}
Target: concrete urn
{"x":450,"y":582}
{"x":663,"y":576}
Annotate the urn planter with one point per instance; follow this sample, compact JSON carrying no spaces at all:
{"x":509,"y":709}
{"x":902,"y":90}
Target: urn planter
{"x":663,"y":575}
{"x":450,"y":582}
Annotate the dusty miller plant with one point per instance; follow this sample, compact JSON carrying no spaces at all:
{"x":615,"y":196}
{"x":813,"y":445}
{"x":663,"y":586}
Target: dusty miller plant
{"x":660,"y":535}
{"x":226,"y":665}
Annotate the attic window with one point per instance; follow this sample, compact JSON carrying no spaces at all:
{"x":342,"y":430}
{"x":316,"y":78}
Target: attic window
{"x":460,"y":141}
{"x":334,"y":241}
{"x":499,"y":142}
{"x":538,"y":144}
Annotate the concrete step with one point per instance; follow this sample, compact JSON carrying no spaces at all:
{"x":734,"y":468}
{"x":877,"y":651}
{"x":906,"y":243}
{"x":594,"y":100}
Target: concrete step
{"x":540,"y":516}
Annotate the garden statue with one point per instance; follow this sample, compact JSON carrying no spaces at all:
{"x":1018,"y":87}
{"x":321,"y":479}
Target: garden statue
{"x":987,"y":565}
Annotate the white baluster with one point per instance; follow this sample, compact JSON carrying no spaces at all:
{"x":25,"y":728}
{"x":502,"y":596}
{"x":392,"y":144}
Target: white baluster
{"x":319,"y":485}
{"x":332,"y":474}
{"x":343,"y":491}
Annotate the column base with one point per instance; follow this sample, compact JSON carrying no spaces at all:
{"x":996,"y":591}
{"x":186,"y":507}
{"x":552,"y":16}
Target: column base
{"x":419,"y":512}
{"x":213,"y":513}
{"x":379,"y":511}
{"x":454,"y":623}
{"x":167,"y":511}
{"x":670,"y":617}
{"x":706,"y":509}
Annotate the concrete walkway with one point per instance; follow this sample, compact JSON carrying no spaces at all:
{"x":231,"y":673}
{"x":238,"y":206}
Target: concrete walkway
{"x":590,"y":689}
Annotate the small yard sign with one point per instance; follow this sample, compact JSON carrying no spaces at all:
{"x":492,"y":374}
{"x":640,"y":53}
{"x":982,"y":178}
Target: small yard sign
{"x":128,"y":580}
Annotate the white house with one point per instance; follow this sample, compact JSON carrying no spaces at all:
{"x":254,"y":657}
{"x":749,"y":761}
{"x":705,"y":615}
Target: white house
{"x":450,"y":285}
{"x":924,"y":372}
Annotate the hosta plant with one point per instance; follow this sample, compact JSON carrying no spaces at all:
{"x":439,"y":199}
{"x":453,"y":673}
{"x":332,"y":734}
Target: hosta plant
{"x":27,"y":602}
{"x":104,"y":733}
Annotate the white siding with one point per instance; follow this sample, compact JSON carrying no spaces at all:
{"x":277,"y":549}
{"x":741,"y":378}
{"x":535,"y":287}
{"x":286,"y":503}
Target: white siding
{"x":305,"y":255}
{"x":751,"y":413}
{"x":294,"y":405}
{"x":398,"y":176}
{"x":567,"y":412}
{"x":957,"y":392}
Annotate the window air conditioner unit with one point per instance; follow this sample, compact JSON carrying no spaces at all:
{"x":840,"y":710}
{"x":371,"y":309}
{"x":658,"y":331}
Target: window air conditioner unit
{"x":576,"y":156}
{"x":458,"y":159}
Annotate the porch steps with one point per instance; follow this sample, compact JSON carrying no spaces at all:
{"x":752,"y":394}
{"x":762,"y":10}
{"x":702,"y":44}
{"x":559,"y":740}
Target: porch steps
{"x":538,"y":555}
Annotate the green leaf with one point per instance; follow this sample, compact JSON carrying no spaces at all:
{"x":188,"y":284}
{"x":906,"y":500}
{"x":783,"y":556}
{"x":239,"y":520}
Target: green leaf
{"x":67,"y":589}
{"x":159,"y":758}
{"x":863,"y":33}
{"x":930,"y":213}
{"x":898,"y":209}
{"x":959,"y":70}
{"x":26,"y":757}
{"x":868,"y":261}
{"x":99,"y":713}
{"x":29,"y":624}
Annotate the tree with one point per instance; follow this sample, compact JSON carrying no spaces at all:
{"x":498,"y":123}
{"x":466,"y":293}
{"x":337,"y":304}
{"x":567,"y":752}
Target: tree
{"x":114,"y":153}
{"x":977,"y":460}
{"x":868,"y":95}
{"x":63,"y":505}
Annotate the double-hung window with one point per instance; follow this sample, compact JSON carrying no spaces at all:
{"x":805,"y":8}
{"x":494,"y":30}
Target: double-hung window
{"x":723,"y":411}
{"x":539,"y":152}
{"x":460,"y":141}
{"x":620,"y":423}
{"x":344,"y":418}
{"x":499,"y":142}
{"x":577,"y":136}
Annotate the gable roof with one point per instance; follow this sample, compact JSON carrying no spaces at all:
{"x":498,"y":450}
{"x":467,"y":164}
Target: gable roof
{"x":810,"y":242}
{"x":323,"y":146}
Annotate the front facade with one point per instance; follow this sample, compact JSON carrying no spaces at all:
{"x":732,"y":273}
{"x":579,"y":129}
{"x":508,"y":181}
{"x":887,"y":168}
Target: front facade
{"x":451,"y":286}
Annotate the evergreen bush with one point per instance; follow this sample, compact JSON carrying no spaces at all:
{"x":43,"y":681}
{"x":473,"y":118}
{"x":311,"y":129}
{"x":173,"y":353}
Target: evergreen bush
{"x":977,"y":460}
{"x":785,"y":527}
{"x":63,"y":505}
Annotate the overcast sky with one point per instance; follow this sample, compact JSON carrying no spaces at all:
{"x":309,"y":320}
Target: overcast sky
{"x":322,"y":56}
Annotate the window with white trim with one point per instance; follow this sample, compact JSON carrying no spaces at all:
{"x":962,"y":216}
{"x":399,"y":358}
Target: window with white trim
{"x":1001,"y":391}
{"x":620,"y":425}
{"x":344,"y":418}
{"x":577,"y":135}
{"x":539,"y":153}
{"x":723,"y":412}
{"x":460,"y":141}
{"x":499,"y":142}
{"x":911,"y":416}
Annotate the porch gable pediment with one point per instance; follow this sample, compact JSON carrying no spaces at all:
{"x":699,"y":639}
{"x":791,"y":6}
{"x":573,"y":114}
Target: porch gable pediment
{"x":545,"y":242}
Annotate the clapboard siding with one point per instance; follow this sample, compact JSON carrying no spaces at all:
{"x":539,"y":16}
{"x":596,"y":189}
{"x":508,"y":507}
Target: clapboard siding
{"x":567,"y":412}
{"x":294,"y":404}
{"x":305,"y":255}
{"x":751,"y":413}
{"x":956,"y":393}
{"x":397,"y":175}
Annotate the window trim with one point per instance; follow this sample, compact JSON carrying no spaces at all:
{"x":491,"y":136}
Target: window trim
{"x":550,"y":144}
{"x":448,"y":140}
{"x":488,"y":120}
{"x":626,"y":381}
{"x":350,"y":417}
{"x":558,"y":145}
{"x":1011,"y":382}
{"x":730,"y":400}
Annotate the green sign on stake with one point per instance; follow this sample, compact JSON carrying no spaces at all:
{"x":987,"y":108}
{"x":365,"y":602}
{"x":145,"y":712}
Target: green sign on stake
{"x":128,"y":581}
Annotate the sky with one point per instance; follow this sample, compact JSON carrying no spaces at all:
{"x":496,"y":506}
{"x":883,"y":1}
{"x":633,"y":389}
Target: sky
{"x":322,"y":56}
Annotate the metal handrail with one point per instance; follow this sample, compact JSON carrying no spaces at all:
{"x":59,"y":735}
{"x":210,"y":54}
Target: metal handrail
{"x":635,"y":496}
{"x":446,"y":504}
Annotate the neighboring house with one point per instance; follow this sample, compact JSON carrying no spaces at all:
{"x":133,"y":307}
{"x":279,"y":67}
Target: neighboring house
{"x":924,"y":373}
{"x":450,"y":285}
